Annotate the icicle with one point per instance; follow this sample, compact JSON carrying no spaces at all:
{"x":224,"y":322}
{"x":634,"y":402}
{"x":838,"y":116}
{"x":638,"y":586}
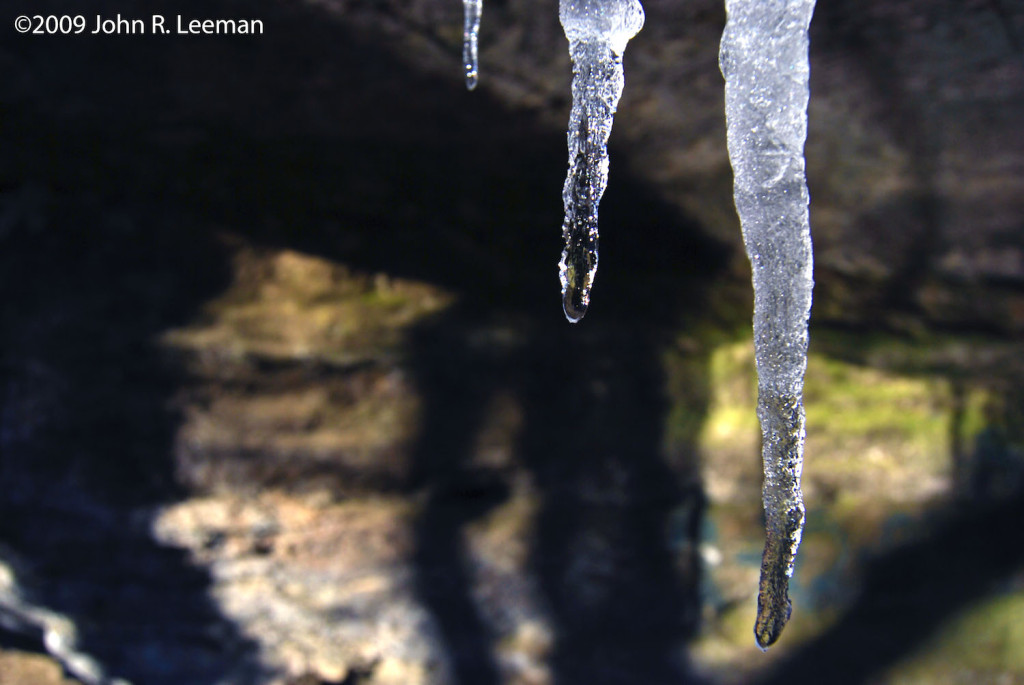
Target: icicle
{"x":765,"y":64}
{"x":470,"y":31}
{"x":598,"y":31}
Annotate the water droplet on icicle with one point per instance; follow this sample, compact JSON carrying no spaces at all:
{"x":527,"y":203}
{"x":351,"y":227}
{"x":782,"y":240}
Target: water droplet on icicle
{"x":576,"y":271}
{"x":573,"y":305}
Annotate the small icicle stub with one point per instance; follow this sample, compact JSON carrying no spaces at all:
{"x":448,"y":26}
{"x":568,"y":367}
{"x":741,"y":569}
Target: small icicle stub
{"x":598,"y":31}
{"x":764,"y":58}
{"x":470,"y":32}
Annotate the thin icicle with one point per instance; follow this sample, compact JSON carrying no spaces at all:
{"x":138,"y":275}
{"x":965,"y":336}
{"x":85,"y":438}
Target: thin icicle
{"x":765,"y":63}
{"x":470,"y":32}
{"x":598,"y":31}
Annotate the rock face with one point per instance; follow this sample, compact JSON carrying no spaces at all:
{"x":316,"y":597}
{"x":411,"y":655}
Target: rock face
{"x":286,"y":395}
{"x":913,"y":151}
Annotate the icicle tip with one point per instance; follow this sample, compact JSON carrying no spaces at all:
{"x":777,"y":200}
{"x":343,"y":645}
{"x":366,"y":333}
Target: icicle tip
{"x":772,"y":615}
{"x":573,"y":305}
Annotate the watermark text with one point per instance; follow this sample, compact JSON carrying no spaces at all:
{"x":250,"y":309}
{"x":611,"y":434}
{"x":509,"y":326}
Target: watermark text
{"x":118,"y":25}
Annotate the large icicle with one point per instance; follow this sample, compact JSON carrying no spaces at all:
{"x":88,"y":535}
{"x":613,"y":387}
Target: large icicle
{"x":598,"y":31}
{"x":470,"y":30}
{"x":765,"y":64}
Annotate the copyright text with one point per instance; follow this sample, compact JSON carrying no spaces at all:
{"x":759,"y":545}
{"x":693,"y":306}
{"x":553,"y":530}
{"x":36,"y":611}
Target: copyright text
{"x":156,"y":24}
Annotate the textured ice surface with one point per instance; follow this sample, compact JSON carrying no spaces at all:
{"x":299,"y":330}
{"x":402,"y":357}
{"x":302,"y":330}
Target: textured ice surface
{"x":470,"y":31}
{"x":764,"y":60}
{"x":613,"y":22}
{"x":598,"y":31}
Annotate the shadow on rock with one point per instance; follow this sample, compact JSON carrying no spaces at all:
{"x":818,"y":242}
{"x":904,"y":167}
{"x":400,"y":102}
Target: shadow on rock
{"x":88,"y":438}
{"x":612,"y":561}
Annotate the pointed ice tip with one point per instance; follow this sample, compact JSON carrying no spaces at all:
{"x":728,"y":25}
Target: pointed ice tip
{"x":471,"y":81}
{"x":763,"y":641}
{"x":771,"y":619}
{"x":573,"y":306}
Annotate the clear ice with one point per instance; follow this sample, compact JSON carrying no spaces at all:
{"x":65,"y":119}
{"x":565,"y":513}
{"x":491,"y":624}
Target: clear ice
{"x":598,"y":31}
{"x":470,"y":31}
{"x":764,"y":58}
